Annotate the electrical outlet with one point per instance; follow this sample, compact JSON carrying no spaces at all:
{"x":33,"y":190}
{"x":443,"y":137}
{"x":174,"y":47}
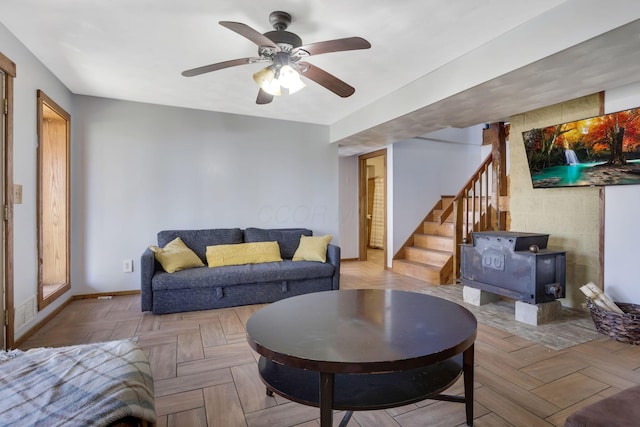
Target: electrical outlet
{"x":127,"y":266}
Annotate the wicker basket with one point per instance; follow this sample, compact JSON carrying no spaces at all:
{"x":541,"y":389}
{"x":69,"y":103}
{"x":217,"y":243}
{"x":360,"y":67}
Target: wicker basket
{"x":621,"y":327}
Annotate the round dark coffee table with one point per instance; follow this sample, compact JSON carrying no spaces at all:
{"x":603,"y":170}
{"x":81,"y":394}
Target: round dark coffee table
{"x":364,"y":349}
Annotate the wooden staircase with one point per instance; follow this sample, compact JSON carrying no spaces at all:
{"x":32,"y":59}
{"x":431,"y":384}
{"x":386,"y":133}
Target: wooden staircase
{"x":428,"y":253}
{"x":432,"y":252}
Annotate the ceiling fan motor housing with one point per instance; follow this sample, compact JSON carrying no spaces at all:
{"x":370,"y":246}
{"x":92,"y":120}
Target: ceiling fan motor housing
{"x":284,"y":38}
{"x":280,"y":21}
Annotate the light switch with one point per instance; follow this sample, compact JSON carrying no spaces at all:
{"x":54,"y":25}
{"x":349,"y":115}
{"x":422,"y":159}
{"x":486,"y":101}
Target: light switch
{"x":17,"y":194}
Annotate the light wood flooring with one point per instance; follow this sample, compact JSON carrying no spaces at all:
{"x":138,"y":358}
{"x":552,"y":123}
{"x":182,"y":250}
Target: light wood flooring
{"x":205,"y":373}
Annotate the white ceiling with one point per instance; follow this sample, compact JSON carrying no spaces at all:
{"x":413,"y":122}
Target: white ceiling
{"x":136,"y":49}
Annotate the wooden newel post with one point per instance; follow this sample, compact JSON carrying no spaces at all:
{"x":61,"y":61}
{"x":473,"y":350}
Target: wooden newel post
{"x":496,"y":136}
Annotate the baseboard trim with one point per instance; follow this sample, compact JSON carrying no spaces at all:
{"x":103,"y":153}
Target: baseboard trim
{"x":105,"y":294}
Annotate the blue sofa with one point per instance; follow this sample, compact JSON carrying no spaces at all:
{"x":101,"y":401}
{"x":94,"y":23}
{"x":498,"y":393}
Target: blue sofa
{"x":203,"y":288}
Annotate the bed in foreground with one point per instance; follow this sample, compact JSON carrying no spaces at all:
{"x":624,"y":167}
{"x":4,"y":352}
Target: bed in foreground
{"x":101,"y":384}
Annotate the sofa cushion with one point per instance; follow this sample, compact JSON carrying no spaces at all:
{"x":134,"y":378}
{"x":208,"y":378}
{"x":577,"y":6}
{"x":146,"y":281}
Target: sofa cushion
{"x":312,"y":248}
{"x":286,"y":270}
{"x":176,"y":256}
{"x":287,"y":238}
{"x":198,"y":240}
{"x":243,"y":253}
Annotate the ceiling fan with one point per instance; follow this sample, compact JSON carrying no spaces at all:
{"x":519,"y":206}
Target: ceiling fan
{"x":285,"y":53}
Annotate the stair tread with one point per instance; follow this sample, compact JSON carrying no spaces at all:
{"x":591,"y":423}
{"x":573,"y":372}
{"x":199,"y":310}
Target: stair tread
{"x":419,"y":264}
{"x":437,"y":251}
{"x":437,"y":236}
{"x":435,"y":228}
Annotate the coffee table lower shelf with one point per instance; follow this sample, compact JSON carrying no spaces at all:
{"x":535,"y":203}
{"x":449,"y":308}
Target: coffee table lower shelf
{"x":365,"y":392}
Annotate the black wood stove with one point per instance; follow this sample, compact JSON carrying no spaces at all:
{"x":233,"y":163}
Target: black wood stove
{"x":515,"y":265}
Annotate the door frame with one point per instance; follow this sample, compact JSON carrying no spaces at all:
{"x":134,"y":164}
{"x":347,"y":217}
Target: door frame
{"x":9,"y":69}
{"x":45,"y":137}
{"x":362,"y":203}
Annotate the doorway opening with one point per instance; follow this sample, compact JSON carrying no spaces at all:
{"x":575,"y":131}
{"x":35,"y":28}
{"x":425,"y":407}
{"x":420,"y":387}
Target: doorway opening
{"x":372,"y":170}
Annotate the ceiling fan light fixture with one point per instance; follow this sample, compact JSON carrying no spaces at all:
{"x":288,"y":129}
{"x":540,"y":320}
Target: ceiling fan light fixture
{"x":290,"y":79}
{"x":266,"y":79}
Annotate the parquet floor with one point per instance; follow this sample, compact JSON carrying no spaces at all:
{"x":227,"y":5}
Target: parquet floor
{"x":205,"y":373}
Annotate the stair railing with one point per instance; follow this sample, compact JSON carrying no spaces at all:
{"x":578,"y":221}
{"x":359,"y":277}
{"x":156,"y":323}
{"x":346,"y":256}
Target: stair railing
{"x":474,"y":208}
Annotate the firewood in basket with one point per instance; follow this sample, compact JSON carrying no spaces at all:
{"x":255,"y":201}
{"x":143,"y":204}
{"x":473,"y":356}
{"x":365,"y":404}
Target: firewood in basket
{"x":600,"y":298}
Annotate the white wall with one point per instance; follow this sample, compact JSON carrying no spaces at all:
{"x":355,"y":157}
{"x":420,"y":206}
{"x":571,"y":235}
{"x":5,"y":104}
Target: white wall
{"x":349,"y":207}
{"x":31,"y":75}
{"x":622,"y":204}
{"x":142,"y":168}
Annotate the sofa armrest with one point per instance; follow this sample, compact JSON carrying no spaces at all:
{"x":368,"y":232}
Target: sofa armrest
{"x":147,"y":270}
{"x":333,"y":258}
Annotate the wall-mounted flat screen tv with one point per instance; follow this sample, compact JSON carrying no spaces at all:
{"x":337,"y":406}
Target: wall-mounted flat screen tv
{"x":601,"y":150}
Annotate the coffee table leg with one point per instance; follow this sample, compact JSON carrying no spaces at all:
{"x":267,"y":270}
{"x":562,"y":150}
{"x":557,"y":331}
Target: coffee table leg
{"x":326,"y":399}
{"x":467,"y":369}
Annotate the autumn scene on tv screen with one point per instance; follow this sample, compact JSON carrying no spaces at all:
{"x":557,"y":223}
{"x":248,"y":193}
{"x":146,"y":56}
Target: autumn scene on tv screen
{"x":602,"y":150}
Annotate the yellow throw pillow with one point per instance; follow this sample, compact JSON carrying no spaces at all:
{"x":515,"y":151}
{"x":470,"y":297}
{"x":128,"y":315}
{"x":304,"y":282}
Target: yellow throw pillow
{"x":243,"y":253}
{"x":176,"y":256}
{"x":312,"y":248}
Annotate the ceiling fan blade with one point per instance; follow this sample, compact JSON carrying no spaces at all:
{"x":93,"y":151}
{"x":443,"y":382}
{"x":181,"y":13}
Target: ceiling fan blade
{"x":325,"y":79}
{"x":217,"y":66}
{"x":263,"y":97}
{"x":338,"y":45}
{"x":248,"y":32}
